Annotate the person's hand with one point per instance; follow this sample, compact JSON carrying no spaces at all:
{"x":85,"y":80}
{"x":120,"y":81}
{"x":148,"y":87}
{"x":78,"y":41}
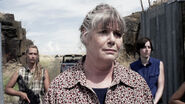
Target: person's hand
{"x":24,"y":96}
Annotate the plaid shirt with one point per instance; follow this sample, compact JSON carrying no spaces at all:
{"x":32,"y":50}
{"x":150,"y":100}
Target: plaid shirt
{"x":70,"y":87}
{"x":35,"y":85}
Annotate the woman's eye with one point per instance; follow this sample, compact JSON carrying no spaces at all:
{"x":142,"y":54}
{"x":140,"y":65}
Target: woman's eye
{"x":117,"y":34}
{"x":147,"y":47}
{"x":104,"y":32}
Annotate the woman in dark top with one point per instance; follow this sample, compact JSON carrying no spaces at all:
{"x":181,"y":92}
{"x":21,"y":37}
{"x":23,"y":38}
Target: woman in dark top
{"x":151,"y":69}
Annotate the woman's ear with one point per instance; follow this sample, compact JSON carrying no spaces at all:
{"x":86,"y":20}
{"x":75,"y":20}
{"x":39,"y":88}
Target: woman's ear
{"x":84,"y":36}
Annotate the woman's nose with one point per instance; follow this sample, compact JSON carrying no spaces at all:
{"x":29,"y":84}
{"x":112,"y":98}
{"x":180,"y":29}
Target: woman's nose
{"x":111,"y":36}
{"x":111,"y":39}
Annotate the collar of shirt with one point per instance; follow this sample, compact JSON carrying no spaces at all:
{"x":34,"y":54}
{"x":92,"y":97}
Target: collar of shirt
{"x":76,"y":75}
{"x":149,"y":62}
{"x":27,"y":69}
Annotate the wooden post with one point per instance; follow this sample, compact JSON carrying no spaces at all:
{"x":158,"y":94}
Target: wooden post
{"x":142,"y":5}
{"x":1,"y":72}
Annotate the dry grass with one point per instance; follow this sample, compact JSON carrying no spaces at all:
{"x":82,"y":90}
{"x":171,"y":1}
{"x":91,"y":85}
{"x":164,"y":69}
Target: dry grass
{"x":8,"y":70}
{"x":52,"y":64}
{"x":126,"y":59}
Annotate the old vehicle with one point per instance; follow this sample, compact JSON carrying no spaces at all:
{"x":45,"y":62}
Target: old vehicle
{"x":69,"y":60}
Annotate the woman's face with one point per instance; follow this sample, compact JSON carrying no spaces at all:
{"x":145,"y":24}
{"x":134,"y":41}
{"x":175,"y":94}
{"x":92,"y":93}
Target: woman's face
{"x":146,"y":51}
{"x":104,"y":44}
{"x":32,"y":55}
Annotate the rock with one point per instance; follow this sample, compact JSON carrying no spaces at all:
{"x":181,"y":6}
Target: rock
{"x":133,"y":28}
{"x":14,"y":42}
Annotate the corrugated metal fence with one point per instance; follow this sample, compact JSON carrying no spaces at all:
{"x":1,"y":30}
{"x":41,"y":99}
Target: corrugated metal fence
{"x":164,"y":25}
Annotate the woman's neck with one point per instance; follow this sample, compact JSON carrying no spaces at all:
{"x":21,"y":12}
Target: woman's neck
{"x":145,"y":60}
{"x":99,"y":75}
{"x":31,"y":66}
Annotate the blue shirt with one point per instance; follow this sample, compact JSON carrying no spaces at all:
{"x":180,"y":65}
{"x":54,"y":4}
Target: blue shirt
{"x":101,"y":93}
{"x":150,"y":72}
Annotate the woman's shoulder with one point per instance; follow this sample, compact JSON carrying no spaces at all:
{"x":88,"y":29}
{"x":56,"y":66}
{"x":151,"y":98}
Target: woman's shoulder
{"x":69,"y":77}
{"x":21,"y":70}
{"x":154,"y":59}
{"x":134,"y":65}
{"x":131,"y":76}
{"x":135,"y":62}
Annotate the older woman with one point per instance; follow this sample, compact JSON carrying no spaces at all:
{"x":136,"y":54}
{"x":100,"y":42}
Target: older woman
{"x":151,"y":69}
{"x":98,"y":78}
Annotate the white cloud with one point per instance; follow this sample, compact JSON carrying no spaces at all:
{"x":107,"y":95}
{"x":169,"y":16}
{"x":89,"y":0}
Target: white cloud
{"x":53,"y":24}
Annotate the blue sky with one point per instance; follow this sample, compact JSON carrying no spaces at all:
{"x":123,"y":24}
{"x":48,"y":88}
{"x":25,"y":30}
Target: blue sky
{"x":53,"y":25}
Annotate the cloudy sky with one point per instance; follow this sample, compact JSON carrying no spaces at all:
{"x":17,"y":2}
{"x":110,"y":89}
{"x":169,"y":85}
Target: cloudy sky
{"x":53,"y":25}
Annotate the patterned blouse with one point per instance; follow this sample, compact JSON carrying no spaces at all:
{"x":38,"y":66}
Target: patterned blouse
{"x":35,"y":85}
{"x":70,"y":87}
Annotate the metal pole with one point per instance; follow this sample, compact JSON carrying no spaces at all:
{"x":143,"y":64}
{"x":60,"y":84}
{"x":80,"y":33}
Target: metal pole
{"x":142,"y":5}
{"x":1,"y":72}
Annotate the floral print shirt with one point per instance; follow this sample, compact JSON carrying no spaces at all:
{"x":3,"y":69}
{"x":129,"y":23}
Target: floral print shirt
{"x":70,"y":87}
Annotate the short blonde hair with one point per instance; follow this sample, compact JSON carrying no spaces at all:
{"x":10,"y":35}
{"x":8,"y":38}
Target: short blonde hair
{"x":102,"y":14}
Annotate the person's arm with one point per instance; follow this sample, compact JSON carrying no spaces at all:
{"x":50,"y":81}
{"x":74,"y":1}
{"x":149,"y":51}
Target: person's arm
{"x":46,"y":81}
{"x":160,"y":84}
{"x":175,"y":99}
{"x":9,"y":88}
{"x":50,"y":96}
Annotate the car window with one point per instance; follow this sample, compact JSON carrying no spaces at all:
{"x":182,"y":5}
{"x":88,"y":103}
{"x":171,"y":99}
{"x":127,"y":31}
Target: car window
{"x":69,"y":60}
